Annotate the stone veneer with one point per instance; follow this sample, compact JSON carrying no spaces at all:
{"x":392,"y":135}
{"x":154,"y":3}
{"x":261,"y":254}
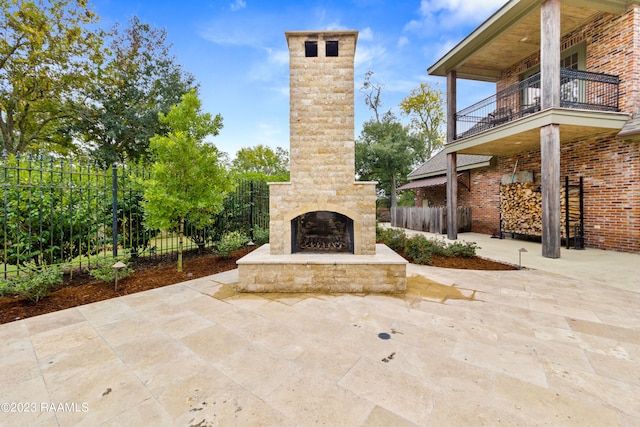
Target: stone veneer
{"x":322,"y":154}
{"x":384,"y":272}
{"x":322,"y":164}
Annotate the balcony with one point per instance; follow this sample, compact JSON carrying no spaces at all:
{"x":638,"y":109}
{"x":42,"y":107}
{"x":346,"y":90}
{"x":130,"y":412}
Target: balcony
{"x":579,"y":90}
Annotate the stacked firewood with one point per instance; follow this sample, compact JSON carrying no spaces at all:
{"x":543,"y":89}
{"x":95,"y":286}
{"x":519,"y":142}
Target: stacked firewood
{"x":521,"y":208}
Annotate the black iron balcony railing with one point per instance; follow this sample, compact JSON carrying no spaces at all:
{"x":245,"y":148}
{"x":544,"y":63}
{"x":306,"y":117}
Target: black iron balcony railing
{"x":578,"y":90}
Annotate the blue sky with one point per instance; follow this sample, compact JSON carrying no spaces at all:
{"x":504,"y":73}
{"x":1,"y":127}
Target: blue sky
{"x":237,"y":51}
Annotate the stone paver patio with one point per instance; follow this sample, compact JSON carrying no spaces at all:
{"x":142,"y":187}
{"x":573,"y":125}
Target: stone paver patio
{"x":474,"y":348}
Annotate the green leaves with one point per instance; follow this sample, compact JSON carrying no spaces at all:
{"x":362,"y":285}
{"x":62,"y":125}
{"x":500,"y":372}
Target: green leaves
{"x":385,"y":152}
{"x":46,"y":51}
{"x":262,"y":163}
{"x":425,"y":107}
{"x":137,"y":79}
{"x":187,"y":176}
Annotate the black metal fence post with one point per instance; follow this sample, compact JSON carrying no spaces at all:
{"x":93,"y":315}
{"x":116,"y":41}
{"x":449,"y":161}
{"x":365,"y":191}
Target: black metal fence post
{"x":114,"y":209}
{"x":251,"y":210}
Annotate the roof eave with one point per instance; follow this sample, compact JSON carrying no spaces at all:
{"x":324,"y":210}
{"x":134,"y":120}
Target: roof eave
{"x":441,"y":172}
{"x":502,"y":19}
{"x":507,"y":16}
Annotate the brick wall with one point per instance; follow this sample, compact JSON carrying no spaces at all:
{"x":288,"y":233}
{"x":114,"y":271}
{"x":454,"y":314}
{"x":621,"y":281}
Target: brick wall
{"x":610,"y":167}
{"x":612,"y":47}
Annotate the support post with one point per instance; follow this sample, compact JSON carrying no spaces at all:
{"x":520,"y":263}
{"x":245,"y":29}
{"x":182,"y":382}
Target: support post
{"x":452,"y":196}
{"x":550,"y":154}
{"x":451,"y":105}
{"x":452,"y":159}
{"x":550,"y":134}
{"x":550,"y":53}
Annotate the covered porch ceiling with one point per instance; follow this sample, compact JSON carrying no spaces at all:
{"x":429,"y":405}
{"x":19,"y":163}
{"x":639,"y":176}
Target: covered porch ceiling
{"x":513,"y":34}
{"x":524,"y":134}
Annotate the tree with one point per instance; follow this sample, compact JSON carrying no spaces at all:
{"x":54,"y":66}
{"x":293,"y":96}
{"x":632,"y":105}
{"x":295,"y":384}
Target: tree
{"x":425,"y":107}
{"x":187,"y":177}
{"x":372,"y":92}
{"x":46,"y":52}
{"x":261,"y":163}
{"x":385,"y":152}
{"x":139,"y":79}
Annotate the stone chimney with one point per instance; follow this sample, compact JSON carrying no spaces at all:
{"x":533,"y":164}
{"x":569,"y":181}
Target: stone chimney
{"x":322,"y":152}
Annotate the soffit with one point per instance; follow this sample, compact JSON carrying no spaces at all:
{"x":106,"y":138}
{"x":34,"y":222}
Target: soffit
{"x":513,"y":34}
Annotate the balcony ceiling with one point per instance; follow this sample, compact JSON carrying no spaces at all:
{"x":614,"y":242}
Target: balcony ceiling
{"x":513,"y":34}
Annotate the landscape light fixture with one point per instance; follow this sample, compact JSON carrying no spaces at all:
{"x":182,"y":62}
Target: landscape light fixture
{"x":117,"y":266}
{"x":520,"y":257}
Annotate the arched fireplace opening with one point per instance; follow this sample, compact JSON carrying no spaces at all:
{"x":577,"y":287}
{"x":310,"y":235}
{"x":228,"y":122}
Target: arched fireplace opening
{"x":322,"y":232}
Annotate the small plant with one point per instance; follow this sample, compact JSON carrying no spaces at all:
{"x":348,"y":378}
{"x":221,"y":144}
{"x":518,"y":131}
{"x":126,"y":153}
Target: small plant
{"x":260,"y":236}
{"x":392,"y":237}
{"x":420,"y":250}
{"x":462,"y":249}
{"x":103,"y":269}
{"x":230,"y":242}
{"x":33,"y":283}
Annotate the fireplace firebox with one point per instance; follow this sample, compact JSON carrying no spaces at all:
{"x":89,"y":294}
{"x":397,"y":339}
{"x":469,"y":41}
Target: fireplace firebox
{"x":322,"y":232}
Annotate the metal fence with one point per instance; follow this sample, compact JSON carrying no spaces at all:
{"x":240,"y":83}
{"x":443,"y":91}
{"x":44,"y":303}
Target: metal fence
{"x":58,"y":211}
{"x":578,"y":90}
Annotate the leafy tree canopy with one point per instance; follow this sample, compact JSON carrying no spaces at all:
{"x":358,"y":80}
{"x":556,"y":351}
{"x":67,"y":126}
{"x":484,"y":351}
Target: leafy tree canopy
{"x":385,"y":152}
{"x":262,"y":163}
{"x":46,"y":54}
{"x":425,"y":107}
{"x":139,"y":79}
{"x":187,"y":177}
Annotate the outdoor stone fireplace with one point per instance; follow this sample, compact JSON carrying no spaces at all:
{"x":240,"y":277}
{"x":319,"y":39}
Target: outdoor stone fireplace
{"x":322,"y":232}
{"x":322,"y":224}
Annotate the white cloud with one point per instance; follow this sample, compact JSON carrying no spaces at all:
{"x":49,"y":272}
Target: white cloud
{"x":230,"y":35}
{"x":278,"y":56}
{"x":366,"y":56}
{"x":366,"y":34}
{"x":238,"y":4}
{"x":271,"y":134}
{"x":402,"y":41}
{"x":461,"y":9}
{"x":437,"y":16}
{"x":271,"y":69}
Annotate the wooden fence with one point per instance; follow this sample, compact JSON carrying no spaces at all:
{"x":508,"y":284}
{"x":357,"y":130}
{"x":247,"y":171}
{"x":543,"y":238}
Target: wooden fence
{"x":433,"y":220}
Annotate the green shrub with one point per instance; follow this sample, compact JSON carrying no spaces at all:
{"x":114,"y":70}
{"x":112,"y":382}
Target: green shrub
{"x":392,"y":237}
{"x":260,"y":236}
{"x":5,"y":288}
{"x":230,"y":242}
{"x":420,"y":250}
{"x":33,"y":283}
{"x":462,"y":249}
{"x":103,"y":270}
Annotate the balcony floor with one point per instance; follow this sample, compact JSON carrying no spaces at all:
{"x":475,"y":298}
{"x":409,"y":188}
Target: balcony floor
{"x":524,"y":134}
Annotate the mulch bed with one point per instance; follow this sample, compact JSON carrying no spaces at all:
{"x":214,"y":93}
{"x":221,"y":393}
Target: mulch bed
{"x":81,"y":288}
